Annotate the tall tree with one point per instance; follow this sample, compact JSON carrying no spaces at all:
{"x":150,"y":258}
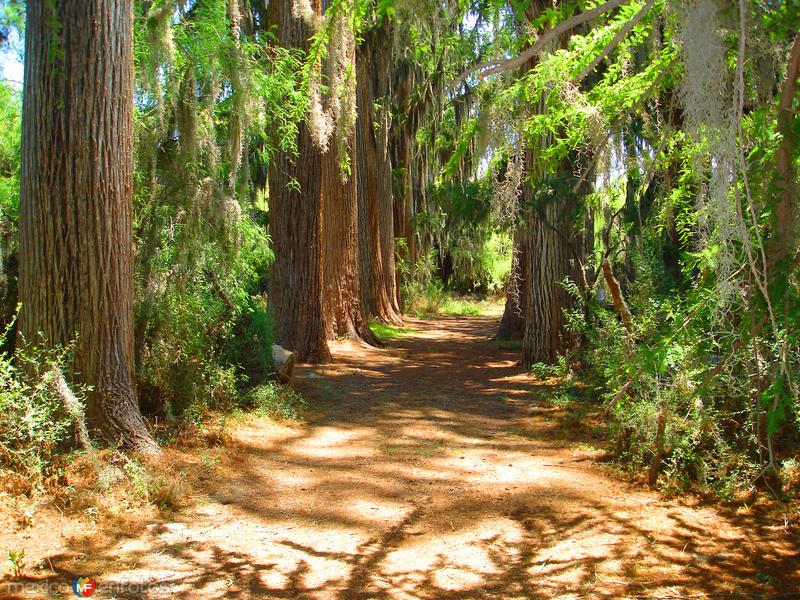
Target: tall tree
{"x":550,"y":242}
{"x":512,"y":324}
{"x":375,"y":203}
{"x":296,"y":284}
{"x":76,"y":271}
{"x":343,"y":310}
{"x":551,"y":249}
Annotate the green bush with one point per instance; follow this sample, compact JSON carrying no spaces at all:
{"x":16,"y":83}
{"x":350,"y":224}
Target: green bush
{"x":34,"y":423}
{"x":659,"y":373}
{"x":249,"y":350}
{"x":10,"y":124}
{"x":278,"y":402}
{"x":183,"y":374}
{"x":206,"y":335}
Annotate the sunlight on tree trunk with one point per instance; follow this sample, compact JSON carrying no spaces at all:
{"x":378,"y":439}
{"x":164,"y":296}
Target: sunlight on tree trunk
{"x":76,"y":270}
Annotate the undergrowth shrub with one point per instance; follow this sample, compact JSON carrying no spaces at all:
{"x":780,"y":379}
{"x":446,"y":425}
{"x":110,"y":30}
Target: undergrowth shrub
{"x":10,"y":124}
{"x":206,"y":334}
{"x":249,"y":349}
{"x":276,"y":401}
{"x":182,"y":373}
{"x":35,"y":426}
{"x":677,"y":396}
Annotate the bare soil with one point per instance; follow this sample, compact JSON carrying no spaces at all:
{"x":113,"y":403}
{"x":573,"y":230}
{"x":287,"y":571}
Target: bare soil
{"x":427,"y":469}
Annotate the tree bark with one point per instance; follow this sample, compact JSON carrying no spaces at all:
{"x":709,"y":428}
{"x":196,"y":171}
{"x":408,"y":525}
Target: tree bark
{"x":295,"y":227}
{"x":785,"y":218}
{"x":376,"y":219}
{"x":549,"y":247}
{"x":617,"y":298}
{"x":343,"y":313}
{"x":76,"y":248}
{"x":402,"y":140}
{"x":512,"y":325}
{"x":552,"y":242}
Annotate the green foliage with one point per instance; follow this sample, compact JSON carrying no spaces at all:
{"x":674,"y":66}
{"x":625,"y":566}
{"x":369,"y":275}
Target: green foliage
{"x":417,"y":280}
{"x":717,"y":415}
{"x":205,"y":100}
{"x":387,"y":333}
{"x":249,"y":348}
{"x":16,"y":560}
{"x":35,"y":426}
{"x":545,"y":371}
{"x":182,"y":371}
{"x":278,"y":402}
{"x":10,"y":123}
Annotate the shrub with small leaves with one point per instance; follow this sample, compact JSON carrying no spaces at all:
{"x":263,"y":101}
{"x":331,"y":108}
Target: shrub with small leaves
{"x":34,"y":423}
{"x":278,"y":402}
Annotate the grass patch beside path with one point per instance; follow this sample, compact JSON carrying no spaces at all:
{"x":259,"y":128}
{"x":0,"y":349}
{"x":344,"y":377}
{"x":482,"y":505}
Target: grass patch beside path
{"x":386,"y":333}
{"x":448,"y":305}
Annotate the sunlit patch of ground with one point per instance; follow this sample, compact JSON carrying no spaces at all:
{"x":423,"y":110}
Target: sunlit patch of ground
{"x":426,"y":470}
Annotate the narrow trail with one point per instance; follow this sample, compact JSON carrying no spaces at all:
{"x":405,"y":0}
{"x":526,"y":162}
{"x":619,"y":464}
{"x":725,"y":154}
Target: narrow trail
{"x":428,"y":472}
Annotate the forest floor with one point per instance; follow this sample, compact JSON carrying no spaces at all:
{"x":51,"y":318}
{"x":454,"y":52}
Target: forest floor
{"x":427,"y":469}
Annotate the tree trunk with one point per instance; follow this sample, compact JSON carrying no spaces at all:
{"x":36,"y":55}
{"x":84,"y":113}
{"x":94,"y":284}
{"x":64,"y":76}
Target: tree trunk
{"x":376,"y":222}
{"x":512,"y":325}
{"x":283,"y":363}
{"x":343,"y":313}
{"x":296,"y":281}
{"x":549,"y":247}
{"x":551,"y":242}
{"x":785,"y":219}
{"x":76,"y":247}
{"x":402,"y":140}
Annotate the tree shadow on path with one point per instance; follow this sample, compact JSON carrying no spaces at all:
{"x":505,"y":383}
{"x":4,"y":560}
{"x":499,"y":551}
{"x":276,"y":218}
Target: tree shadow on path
{"x":429,"y":470}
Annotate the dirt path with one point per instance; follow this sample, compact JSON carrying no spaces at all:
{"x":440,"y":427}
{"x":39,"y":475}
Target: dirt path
{"x":429,"y":472}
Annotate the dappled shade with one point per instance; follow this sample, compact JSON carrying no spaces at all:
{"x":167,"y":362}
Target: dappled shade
{"x":445,"y":482}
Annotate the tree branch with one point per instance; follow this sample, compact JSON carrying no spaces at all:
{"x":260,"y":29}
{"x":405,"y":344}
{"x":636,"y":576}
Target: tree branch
{"x":621,"y":35}
{"x":498,"y":65}
{"x":617,"y":298}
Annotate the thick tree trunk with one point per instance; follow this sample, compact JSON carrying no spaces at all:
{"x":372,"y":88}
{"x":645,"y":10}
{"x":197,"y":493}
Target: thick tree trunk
{"x":76,"y":249}
{"x":550,"y":248}
{"x":403,"y":201}
{"x":551,"y":244}
{"x":343,"y":313}
{"x":512,"y":325}
{"x":295,"y":227}
{"x":376,"y":221}
{"x":402,"y":140}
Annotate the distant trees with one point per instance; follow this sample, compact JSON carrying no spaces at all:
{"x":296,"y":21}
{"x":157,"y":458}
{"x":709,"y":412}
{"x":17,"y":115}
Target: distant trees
{"x":76,"y":248}
{"x":330,"y":208}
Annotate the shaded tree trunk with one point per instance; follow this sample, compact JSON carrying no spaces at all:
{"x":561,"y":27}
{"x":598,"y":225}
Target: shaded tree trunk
{"x":402,"y":139}
{"x":296,"y":282}
{"x":551,"y":245}
{"x":76,"y":247}
{"x":550,"y":250}
{"x":343,"y":312}
{"x":376,"y":219}
{"x":783,"y":246}
{"x":512,"y":325}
